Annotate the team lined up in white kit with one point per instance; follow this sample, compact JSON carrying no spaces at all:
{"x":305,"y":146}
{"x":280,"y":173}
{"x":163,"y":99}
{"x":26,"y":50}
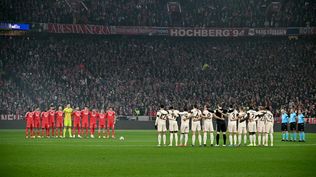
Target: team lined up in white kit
{"x":241,"y":122}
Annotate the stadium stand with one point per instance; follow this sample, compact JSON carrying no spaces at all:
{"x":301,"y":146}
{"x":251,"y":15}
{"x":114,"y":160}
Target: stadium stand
{"x":190,"y":13}
{"x":141,"y":72}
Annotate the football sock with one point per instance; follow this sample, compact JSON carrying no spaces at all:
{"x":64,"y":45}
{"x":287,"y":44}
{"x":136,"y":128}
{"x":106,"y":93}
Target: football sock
{"x":235,"y":139}
{"x":217,"y":139}
{"x":239,"y":139}
{"x":254,"y":138}
{"x":283,"y":136}
{"x":212,"y":138}
{"x":224,"y":136}
{"x":231,"y":139}
{"x":64,"y":133}
{"x":186,"y":137}
{"x":193,"y":139}
{"x":181,"y":138}
{"x":69,"y":131}
{"x":200,"y":139}
{"x":171,"y":138}
{"x":164,"y":138}
{"x":176,"y":138}
{"x":204,"y":137}
{"x":245,"y":139}
{"x":250,"y":139}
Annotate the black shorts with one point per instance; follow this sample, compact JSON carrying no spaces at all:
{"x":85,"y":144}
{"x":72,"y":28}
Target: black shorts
{"x":284,"y":127}
{"x":221,"y":126}
{"x":292,"y":126}
{"x":300,"y":127}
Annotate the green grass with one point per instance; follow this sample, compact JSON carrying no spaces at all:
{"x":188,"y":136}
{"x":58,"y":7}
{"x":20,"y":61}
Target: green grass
{"x":139,"y":156}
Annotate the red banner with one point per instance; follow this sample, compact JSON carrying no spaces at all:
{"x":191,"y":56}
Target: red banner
{"x":78,"y":28}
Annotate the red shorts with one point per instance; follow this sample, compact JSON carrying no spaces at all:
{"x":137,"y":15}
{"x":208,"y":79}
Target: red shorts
{"x":59,"y":124}
{"x":29,"y":124}
{"x":111,"y":125}
{"x":37,"y":124}
{"x":77,"y":124}
{"x":45,"y":125}
{"x":93,"y":125}
{"x":102,"y":125}
{"x":85,"y":124}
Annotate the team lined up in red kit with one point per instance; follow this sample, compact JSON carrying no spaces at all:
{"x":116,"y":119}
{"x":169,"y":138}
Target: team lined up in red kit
{"x":51,"y":121}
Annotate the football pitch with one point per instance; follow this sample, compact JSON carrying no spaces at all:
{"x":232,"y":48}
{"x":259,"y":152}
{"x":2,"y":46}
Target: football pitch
{"x":138,"y":155}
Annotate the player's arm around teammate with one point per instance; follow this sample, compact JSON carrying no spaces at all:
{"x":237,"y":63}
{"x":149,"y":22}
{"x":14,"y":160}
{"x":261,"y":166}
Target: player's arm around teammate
{"x":269,"y":127}
{"x":242,"y":126}
{"x":185,"y":127}
{"x":232,"y":126}
{"x":173,"y":125}
{"x":160,"y":122}
{"x":208,"y":125}
{"x":196,"y":124}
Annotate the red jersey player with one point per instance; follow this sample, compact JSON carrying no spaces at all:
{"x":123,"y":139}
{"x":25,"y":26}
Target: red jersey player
{"x":37,"y":122}
{"x":45,"y":123}
{"x":93,"y":122}
{"x":52,"y":119}
{"x":29,"y":117}
{"x":111,"y":118}
{"x":102,"y":118}
{"x":77,"y":115}
{"x":85,"y":120}
{"x":59,"y":121}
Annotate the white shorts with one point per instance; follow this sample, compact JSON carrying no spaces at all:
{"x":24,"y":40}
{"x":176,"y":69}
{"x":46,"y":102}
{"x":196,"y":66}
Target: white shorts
{"x":261,"y":127}
{"x":173,"y":126}
{"x":185,"y":128}
{"x":252,"y":127}
{"x":269,"y":127}
{"x":232,"y":127}
{"x":196,"y":126}
{"x":162,"y":127}
{"x":208,"y":126}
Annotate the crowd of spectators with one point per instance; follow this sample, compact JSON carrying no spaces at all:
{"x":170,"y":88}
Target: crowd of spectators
{"x":189,"y":13}
{"x":141,"y":72}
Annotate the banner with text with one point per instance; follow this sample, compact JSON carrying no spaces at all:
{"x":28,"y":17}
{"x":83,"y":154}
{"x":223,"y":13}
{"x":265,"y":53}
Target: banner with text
{"x":170,"y":31}
{"x":77,"y":29}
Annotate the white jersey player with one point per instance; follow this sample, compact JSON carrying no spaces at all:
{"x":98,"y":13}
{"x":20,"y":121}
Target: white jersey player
{"x":261,"y":125}
{"x":185,"y":126}
{"x":232,"y":126}
{"x":196,"y":124}
{"x":208,"y":125}
{"x":173,"y":125}
{"x":269,"y":126}
{"x":252,"y":127}
{"x":161,"y":124}
{"x":242,"y":126}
